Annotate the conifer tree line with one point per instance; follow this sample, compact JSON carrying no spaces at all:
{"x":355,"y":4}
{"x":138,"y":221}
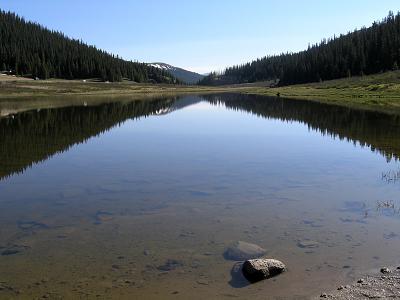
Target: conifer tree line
{"x":38,"y":135}
{"x":366,"y":51}
{"x":29,"y":49}
{"x":367,"y":128}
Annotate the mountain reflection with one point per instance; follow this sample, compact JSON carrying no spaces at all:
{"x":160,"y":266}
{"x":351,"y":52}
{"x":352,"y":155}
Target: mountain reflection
{"x":30,"y":137}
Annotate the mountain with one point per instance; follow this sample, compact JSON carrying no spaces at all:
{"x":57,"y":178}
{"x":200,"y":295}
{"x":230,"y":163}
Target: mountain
{"x":181,"y":74}
{"x":29,"y":49}
{"x":366,"y":51}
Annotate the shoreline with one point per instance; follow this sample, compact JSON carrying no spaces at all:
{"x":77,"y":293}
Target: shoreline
{"x":380,"y":284}
{"x":379,"y":92}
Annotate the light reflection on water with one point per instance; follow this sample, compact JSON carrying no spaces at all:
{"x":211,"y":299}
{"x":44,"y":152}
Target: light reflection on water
{"x":141,"y":199}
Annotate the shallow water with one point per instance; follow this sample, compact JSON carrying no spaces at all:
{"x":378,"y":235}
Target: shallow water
{"x":139,"y":200}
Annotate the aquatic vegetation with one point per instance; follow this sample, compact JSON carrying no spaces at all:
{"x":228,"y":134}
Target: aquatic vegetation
{"x":388,"y":207}
{"x":391,"y":176}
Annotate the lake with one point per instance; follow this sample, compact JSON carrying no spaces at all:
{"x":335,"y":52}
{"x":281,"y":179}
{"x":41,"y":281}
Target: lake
{"x":139,"y":199}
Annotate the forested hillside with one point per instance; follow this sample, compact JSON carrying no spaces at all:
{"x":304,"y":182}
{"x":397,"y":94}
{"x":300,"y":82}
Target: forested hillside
{"x":365,"y":51}
{"x":29,"y":49}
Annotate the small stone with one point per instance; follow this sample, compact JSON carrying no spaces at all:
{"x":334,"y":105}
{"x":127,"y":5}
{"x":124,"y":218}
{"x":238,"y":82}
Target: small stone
{"x":170,"y":264}
{"x":324,"y":295}
{"x":307,"y":244}
{"x":360,"y":280}
{"x":203,"y":282}
{"x":385,"y":271}
{"x":103,"y":216}
{"x":340,"y":288}
{"x":258,"y":269}
{"x":346,"y":267}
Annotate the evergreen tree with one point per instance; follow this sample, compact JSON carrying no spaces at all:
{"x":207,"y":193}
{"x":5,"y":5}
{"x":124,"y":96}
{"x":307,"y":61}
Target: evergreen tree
{"x":365,"y":51}
{"x":32,"y":50}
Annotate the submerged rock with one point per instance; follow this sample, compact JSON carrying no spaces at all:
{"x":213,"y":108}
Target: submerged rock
{"x":5,"y":287}
{"x":12,"y":250}
{"x":259,"y":269}
{"x":9,"y":252}
{"x":103,"y":216}
{"x":31,"y":225}
{"x":169,"y":265}
{"x":307,"y":244}
{"x":243,"y":251}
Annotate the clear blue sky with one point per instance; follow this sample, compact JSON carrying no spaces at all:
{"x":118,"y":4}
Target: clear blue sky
{"x":201,"y":35}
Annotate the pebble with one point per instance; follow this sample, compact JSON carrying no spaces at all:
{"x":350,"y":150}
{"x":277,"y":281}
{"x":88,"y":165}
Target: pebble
{"x":169,"y":265}
{"x":307,"y":244}
{"x":203,"y":282}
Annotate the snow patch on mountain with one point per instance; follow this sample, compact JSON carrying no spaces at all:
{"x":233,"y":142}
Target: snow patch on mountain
{"x":182,"y":74}
{"x":162,"y":66}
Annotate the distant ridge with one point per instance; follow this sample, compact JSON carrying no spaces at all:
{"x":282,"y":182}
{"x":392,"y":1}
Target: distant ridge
{"x":181,"y":74}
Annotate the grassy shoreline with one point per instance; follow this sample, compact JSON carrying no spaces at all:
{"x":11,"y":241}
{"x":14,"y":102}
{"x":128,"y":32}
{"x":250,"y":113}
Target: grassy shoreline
{"x":25,"y":88}
{"x":375,"y":92}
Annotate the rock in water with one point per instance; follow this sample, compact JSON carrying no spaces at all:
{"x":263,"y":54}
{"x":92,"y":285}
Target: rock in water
{"x":258,"y":269}
{"x":242,"y":251}
{"x":308,"y":244}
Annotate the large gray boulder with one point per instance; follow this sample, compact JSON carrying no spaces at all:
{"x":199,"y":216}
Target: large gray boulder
{"x":259,"y":269}
{"x":240,"y":251}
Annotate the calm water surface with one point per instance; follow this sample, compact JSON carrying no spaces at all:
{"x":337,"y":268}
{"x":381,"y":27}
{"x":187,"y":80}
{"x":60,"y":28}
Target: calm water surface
{"x":139,"y":200}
